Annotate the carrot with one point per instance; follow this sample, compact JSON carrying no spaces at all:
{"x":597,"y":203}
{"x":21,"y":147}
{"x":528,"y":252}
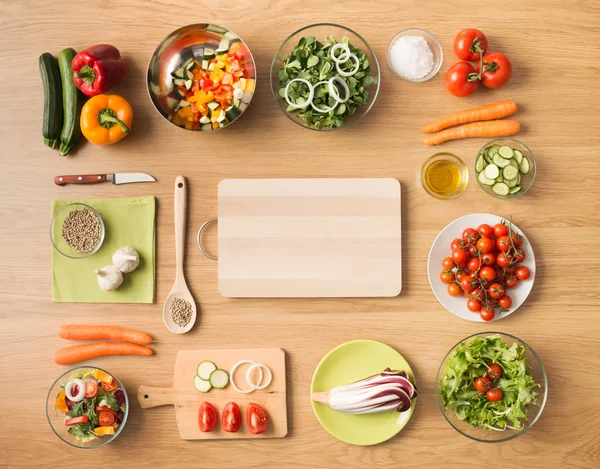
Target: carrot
{"x":78,"y":353}
{"x":501,"y":128}
{"x":74,"y":332}
{"x":488,"y":112}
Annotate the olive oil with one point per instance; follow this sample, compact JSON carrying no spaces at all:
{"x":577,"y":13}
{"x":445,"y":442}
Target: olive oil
{"x":444,"y":176}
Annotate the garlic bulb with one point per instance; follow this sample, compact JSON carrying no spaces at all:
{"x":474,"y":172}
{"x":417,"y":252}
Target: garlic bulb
{"x":126,"y":259}
{"x":109,"y":278}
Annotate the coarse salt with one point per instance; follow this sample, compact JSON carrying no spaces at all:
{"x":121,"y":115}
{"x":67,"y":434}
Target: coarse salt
{"x":411,"y":57}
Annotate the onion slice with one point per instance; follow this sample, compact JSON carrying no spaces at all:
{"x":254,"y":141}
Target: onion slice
{"x":232,"y":381}
{"x":80,"y":390}
{"x":333,"y":91}
{"x":325,"y":109}
{"x":344,"y":56}
{"x":260,"y":385}
{"x":348,"y":74}
{"x":260,"y":376}
{"x":311,"y":94}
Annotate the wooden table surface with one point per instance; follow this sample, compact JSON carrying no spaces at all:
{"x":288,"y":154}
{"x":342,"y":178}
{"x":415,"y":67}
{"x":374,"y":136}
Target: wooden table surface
{"x":554,"y":49}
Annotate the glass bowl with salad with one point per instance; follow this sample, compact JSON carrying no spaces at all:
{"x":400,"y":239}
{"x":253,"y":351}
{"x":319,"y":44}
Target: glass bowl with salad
{"x":491,"y":387}
{"x":505,"y":168}
{"x":201,"y":77}
{"x":325,"y":77}
{"x":87,"y":407}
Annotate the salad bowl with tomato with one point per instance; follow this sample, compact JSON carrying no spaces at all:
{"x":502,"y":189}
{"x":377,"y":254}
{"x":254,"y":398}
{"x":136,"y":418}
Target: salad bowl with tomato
{"x":87,"y":407}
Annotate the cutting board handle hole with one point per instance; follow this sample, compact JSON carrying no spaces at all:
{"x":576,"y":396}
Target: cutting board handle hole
{"x":180,"y":185}
{"x":145,"y":396}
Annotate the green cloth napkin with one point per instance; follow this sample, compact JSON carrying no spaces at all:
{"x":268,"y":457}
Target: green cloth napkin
{"x":128,"y":222}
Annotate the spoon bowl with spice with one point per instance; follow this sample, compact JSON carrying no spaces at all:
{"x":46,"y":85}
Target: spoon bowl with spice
{"x":77,"y":231}
{"x":179,"y":311}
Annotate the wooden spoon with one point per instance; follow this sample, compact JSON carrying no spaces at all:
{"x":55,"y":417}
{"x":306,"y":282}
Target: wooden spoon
{"x":180,"y":288}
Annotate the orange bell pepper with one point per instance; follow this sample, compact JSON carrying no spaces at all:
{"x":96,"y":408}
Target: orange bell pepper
{"x":106,"y":119}
{"x":61,"y":404}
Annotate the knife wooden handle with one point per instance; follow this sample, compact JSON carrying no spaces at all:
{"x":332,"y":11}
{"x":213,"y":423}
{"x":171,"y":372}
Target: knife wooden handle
{"x":84,"y":179}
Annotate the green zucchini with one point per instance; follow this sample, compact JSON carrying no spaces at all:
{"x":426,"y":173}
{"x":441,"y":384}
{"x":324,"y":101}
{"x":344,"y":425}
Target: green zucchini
{"x":52,"y":121}
{"x":71,"y":129}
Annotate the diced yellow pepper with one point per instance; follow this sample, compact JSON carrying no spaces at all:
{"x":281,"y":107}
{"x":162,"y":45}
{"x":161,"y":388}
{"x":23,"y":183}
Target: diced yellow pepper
{"x":243,"y":83}
{"x":188,"y":125}
{"x":215,"y":125}
{"x":221,"y":58}
{"x":215,"y":115}
{"x":103,"y":431}
{"x":185,"y":111}
{"x":177,"y":120}
{"x":250,"y":83}
{"x":228,"y":67}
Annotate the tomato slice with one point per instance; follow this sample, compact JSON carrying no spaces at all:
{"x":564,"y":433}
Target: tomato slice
{"x":207,"y":417}
{"x":108,"y":387}
{"x":76,"y":420}
{"x":102,"y":408}
{"x":256,"y":419}
{"x":106,"y":419}
{"x":231,"y":420}
{"x":91,"y":388}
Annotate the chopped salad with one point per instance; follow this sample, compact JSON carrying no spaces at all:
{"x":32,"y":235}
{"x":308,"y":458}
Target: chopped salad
{"x":93,"y":403}
{"x":488,"y":383}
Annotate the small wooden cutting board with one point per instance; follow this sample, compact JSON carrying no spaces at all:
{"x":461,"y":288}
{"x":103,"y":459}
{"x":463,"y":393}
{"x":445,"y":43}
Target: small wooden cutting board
{"x":187,"y":400}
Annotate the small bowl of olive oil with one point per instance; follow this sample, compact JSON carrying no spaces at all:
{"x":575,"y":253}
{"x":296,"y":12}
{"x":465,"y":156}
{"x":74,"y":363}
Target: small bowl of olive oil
{"x":444,"y":176}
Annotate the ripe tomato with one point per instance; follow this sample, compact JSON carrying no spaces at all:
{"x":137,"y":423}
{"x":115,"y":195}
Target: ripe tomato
{"x":91,"y":388}
{"x":482,"y":383}
{"x":488,"y":258}
{"x":485,"y":245}
{"x":519,"y":255}
{"x":474,"y":305}
{"x":523,"y":273}
{"x":496,"y":291}
{"x":517,"y":239}
{"x":500,"y":229}
{"x":472,"y":250}
{"x":231,"y":420}
{"x":494,"y":371}
{"x":474,"y":264}
{"x":207,"y":417}
{"x":448,"y":263}
{"x":457,"y":79}
{"x":504,"y":259}
{"x":511,"y":282}
{"x":497,"y":70}
{"x":459,"y":256}
{"x":455,"y":244}
{"x":499,"y":273}
{"x":478,"y":294}
{"x":108,"y":387}
{"x":505,"y":302}
{"x":494,"y":395}
{"x":106,"y":419}
{"x":454,"y":289}
{"x":466,"y":283}
{"x":462,"y":265}
{"x":257,"y":419}
{"x":487,"y":273}
{"x":487,"y":313}
{"x":503,"y":243}
{"x":470,"y":236}
{"x":447,"y":276}
{"x":469,"y":44}
{"x":460,"y":274}
{"x":485,"y":230}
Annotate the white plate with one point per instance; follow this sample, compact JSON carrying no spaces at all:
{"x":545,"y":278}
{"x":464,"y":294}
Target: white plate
{"x":440,"y":249}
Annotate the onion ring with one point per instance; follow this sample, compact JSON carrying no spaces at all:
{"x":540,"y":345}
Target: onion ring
{"x":259,"y":366}
{"x":348,"y":74}
{"x":324,"y":110}
{"x":310,"y":95}
{"x":249,"y":372}
{"x":342,"y":58}
{"x":333,"y":92}
{"x":232,"y":381}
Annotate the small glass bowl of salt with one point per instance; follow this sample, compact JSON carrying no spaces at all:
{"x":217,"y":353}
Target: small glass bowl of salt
{"x":415,"y":55}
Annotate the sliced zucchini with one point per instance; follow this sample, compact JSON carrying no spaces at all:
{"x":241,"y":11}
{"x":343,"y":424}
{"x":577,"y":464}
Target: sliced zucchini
{"x":518,"y":179}
{"x":188,"y":84}
{"x":235,"y":102}
{"x":500,"y":189}
{"x":232,"y":112}
{"x":510,"y":172}
{"x":511,"y":182}
{"x":493,"y":149}
{"x":179,"y":73}
{"x":219,"y":379}
{"x":205,"y":120}
{"x":500,"y":179}
{"x":201,"y":385}
{"x":514,"y":190}
{"x":505,"y":152}
{"x":191,"y":66}
{"x":208,"y":54}
{"x":211,"y":67}
{"x":178,"y":81}
{"x":514,"y":162}
{"x":491,"y":171}
{"x":183,"y":103}
{"x":517,"y":155}
{"x":206,"y":127}
{"x":189,"y":75}
{"x":216,"y":29}
{"x":223,"y":48}
{"x":499,"y":161}
{"x":524,"y":166}
{"x":485,"y":180}
{"x":479,"y":164}
{"x":242,"y":106}
{"x":205,"y":369}
{"x":213,"y":105}
{"x":205,"y":64}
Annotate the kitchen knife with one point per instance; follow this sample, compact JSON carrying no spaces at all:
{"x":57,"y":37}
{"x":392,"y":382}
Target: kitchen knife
{"x":117,"y":178}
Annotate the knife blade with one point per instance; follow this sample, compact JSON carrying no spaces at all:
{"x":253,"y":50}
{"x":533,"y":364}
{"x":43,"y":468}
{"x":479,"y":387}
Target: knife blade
{"x":115,"y":178}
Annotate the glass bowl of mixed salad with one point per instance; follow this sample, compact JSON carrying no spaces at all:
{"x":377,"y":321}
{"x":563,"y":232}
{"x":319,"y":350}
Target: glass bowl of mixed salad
{"x":491,"y":387}
{"x":325,"y":77}
{"x":87,"y":407}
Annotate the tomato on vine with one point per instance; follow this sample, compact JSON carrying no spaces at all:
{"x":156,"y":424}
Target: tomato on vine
{"x":503,"y":243}
{"x":500,"y":229}
{"x":487,"y":273}
{"x":459,"y":256}
{"x":448,"y":263}
{"x":523,"y":273}
{"x":487,"y":313}
{"x":474,"y":264}
{"x":505,"y":302}
{"x":474,"y":305}
{"x":485,"y":245}
{"x":485,"y":230}
{"x":454,"y":289}
{"x":470,"y":236}
{"x":470,"y":44}
{"x":447,"y":276}
{"x":456,"y":244}
{"x":496,"y":290}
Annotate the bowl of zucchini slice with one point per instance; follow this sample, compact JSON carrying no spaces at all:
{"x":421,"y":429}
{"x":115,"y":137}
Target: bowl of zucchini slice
{"x":201,"y":77}
{"x":505,"y":168}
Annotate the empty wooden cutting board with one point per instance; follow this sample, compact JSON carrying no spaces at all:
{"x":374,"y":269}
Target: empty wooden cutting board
{"x":310,"y":238}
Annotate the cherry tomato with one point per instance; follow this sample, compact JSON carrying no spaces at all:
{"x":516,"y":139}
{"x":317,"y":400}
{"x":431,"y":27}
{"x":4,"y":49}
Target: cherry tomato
{"x":448,"y":263}
{"x":470,"y":236}
{"x":497,"y":70}
{"x":482,"y":383}
{"x":108,"y":387}
{"x":456,"y":244}
{"x":466,"y":283}
{"x":454,"y":289}
{"x":504,"y":259}
{"x":447,"y":276}
{"x":106,"y":419}
{"x":469,"y":44}
{"x":500,"y":229}
{"x":474,"y":305}
{"x":523,"y":273}
{"x":459,"y":256}
{"x":505,"y":302}
{"x":478,"y":294}
{"x":487,"y":313}
{"x":460,"y":274}
{"x":503,"y":243}
{"x":91,"y":388}
{"x":474,"y":264}
{"x":103,"y":408}
{"x":462,"y":265}
{"x":499,"y":273}
{"x":485,"y":245}
{"x":485,"y":230}
{"x":487,"y":273}
{"x":494,"y":395}
{"x":231,"y":420}
{"x":489,"y":258}
{"x":517,"y":239}
{"x":207,"y":417}
{"x":457,"y":79}
{"x":472,"y":251}
{"x":257,"y":419}
{"x":519,"y":255}
{"x":496,"y":290}
{"x":494,"y":371}
{"x":511,"y":282}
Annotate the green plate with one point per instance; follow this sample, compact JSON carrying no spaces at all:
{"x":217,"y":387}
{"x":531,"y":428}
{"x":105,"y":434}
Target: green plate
{"x":346,"y":364}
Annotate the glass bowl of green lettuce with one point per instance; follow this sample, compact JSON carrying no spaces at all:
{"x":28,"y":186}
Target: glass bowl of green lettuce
{"x":523,"y":384}
{"x":316,"y":55}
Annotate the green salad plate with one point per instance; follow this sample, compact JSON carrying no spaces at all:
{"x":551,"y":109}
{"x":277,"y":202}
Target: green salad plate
{"x":346,"y":364}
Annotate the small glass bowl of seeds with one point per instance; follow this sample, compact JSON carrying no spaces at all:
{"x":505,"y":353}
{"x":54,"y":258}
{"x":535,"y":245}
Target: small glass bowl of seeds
{"x":77,"y":231}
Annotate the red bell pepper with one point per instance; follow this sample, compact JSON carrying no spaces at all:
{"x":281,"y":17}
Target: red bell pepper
{"x":76,"y":420}
{"x":98,"y":68}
